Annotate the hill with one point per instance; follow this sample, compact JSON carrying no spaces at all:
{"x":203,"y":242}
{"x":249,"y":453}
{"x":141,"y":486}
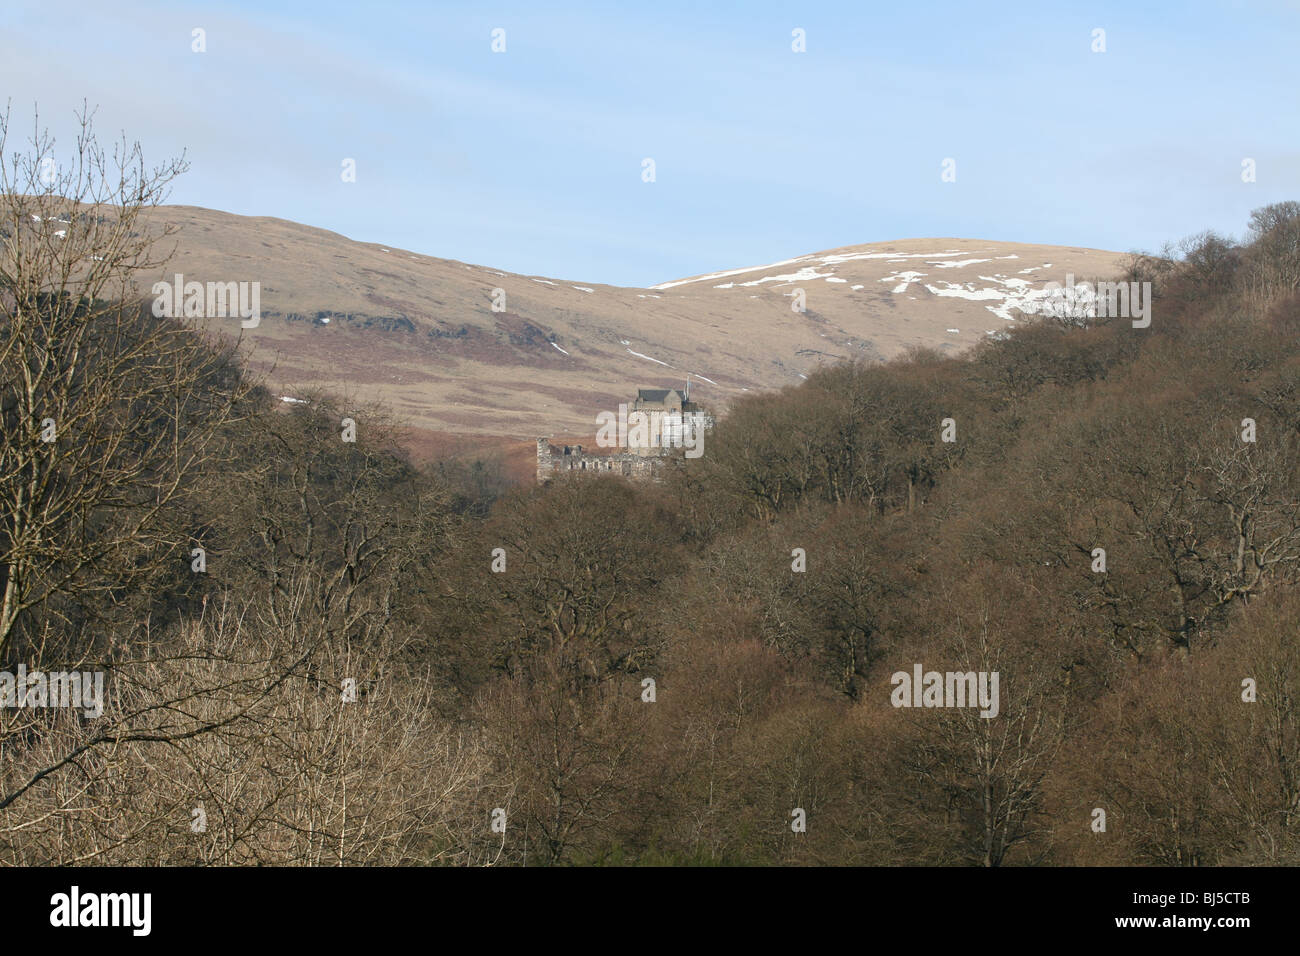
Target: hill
{"x":419,"y":332}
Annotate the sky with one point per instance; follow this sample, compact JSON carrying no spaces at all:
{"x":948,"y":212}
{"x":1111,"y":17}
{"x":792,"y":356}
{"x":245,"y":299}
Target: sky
{"x":532,"y":159}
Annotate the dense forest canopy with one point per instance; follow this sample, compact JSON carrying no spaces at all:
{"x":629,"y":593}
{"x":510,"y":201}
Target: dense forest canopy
{"x":318,"y":652}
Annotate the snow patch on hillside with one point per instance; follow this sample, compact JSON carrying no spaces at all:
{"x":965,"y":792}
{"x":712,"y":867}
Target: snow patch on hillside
{"x":1008,"y":292}
{"x":958,"y":263}
{"x":809,"y":267}
{"x":641,"y":355}
{"x":805,"y":274}
{"x":904,"y":279}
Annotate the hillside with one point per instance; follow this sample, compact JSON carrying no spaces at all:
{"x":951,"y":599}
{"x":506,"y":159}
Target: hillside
{"x":374,"y":321}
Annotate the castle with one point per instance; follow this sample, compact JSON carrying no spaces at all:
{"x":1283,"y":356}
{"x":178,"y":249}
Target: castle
{"x":666,"y":418}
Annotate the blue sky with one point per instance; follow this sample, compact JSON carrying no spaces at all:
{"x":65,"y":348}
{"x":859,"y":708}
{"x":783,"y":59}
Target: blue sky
{"x":530,"y":160}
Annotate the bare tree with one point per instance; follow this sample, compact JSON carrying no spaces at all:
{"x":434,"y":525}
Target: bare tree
{"x":109,"y":413}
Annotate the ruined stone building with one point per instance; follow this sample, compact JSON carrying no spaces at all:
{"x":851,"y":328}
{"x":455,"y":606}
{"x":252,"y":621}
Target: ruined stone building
{"x":651,"y":433}
{"x":553,"y":460}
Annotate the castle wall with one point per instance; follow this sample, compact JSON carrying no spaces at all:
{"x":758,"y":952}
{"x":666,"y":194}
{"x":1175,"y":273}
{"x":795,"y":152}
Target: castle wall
{"x":554,"y":461}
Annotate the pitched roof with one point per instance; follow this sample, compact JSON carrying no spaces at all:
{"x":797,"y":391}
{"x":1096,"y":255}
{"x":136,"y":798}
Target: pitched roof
{"x":657,"y":394}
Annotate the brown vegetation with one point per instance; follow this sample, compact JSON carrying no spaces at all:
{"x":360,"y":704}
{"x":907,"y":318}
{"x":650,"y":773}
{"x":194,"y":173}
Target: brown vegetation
{"x":376,"y":661}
